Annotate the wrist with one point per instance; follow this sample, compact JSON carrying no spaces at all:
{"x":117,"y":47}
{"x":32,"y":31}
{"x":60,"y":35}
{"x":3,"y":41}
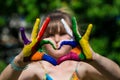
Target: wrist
{"x":18,"y":60}
{"x":18,"y":64}
{"x":16,"y":67}
{"x":95,"y":56}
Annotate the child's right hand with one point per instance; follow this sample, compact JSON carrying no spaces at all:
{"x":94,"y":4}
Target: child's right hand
{"x":32,"y":50}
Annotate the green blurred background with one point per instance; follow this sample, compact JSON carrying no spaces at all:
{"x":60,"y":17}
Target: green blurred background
{"x":103,"y":14}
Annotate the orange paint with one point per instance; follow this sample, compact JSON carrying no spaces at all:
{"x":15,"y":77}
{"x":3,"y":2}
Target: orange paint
{"x":37,"y":56}
{"x":76,"y":50}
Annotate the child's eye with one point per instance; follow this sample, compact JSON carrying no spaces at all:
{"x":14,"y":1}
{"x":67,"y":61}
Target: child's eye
{"x":51,"y":35}
{"x":63,"y":33}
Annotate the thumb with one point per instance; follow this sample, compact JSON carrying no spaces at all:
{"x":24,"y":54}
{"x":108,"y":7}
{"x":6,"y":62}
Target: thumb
{"x":88,"y":31}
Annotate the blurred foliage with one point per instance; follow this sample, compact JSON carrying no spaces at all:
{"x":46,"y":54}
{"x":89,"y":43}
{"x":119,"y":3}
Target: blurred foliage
{"x":2,"y":65}
{"x":103,"y":14}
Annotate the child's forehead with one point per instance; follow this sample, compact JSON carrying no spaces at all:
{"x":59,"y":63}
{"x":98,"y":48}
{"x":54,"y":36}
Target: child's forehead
{"x":58,"y":28}
{"x":55,"y":27}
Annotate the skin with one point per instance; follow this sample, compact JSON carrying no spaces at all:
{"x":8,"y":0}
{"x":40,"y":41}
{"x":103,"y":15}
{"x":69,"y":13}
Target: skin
{"x":100,"y":68}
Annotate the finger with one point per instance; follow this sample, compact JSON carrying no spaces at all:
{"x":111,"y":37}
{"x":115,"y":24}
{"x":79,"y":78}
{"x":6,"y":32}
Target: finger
{"x":75,"y":29}
{"x":76,"y":50}
{"x":35,"y":29}
{"x":49,"y":59}
{"x":24,"y":38}
{"x":67,"y":28}
{"x":88,"y":31}
{"x":70,"y":56}
{"x":47,"y":42}
{"x":72,"y":43}
{"x":37,"y":56}
{"x":43,"y":28}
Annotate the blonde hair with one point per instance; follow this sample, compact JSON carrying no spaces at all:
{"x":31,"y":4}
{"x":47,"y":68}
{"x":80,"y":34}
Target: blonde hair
{"x":55,"y":22}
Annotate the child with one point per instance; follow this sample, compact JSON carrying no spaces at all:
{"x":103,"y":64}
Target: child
{"x":59,"y":63}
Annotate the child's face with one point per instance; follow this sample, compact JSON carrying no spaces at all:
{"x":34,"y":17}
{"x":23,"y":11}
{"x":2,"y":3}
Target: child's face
{"x":56,"y":36}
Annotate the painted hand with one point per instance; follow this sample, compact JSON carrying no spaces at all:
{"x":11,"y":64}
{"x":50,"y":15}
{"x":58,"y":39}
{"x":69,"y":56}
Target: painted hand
{"x":83,"y":40}
{"x":32,"y":50}
{"x":81,"y":49}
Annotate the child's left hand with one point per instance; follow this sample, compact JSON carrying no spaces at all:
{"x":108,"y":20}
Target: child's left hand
{"x":81,"y":51}
{"x":83,"y":40}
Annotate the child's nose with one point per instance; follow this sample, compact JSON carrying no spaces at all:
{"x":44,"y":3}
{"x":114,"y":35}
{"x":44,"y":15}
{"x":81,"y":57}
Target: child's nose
{"x":57,"y":38}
